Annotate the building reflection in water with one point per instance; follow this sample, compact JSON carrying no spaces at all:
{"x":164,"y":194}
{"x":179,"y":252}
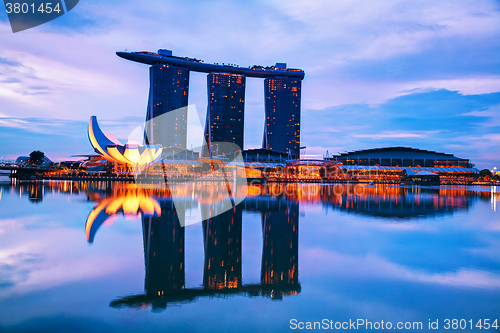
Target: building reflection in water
{"x":128,"y":203}
{"x":388,"y":201}
{"x":222,"y":275}
{"x":278,"y":205}
{"x":163,"y":252}
{"x":280,"y":243}
{"x":396,"y":201}
{"x":35,"y":192}
{"x":222,"y":242}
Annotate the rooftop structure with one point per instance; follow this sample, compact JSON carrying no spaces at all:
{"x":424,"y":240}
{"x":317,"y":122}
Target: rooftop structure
{"x":196,"y":65}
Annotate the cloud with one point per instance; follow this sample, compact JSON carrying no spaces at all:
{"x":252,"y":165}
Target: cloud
{"x":10,"y":80}
{"x":23,"y":270}
{"x":58,"y":138}
{"x":393,"y":134}
{"x":14,"y":267}
{"x":371,"y":267}
{"x":19,"y":79}
{"x":439,"y":120}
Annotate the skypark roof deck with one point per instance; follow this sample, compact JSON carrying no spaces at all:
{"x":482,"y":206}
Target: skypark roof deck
{"x":151,"y":58}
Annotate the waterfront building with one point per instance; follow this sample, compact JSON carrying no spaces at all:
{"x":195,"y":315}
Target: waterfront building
{"x":265,"y":155}
{"x":400,"y":157}
{"x":389,"y":164}
{"x":44,"y":162}
{"x":225,"y":113}
{"x":282,"y":120}
{"x":169,"y":81}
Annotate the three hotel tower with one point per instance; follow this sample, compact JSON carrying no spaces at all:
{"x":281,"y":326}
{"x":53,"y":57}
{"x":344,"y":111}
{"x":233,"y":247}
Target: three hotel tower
{"x":169,"y":90}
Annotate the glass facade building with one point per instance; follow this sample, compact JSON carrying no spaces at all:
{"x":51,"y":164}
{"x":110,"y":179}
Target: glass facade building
{"x":226,"y":109}
{"x":282,"y":122}
{"x":168,"y":92}
{"x":169,"y":82}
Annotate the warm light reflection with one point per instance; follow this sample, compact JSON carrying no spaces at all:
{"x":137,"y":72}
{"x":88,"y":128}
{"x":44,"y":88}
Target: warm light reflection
{"x":132,"y":203}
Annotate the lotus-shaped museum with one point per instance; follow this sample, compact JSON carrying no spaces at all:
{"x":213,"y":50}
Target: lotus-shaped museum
{"x":109,"y":147}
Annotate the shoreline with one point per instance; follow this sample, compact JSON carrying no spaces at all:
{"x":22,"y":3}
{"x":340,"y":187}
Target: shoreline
{"x":250,"y":181}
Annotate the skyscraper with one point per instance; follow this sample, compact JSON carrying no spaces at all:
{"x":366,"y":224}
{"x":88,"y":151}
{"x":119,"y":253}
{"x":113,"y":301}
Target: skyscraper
{"x":168,"y":92}
{"x":226,"y":101}
{"x":225,"y":115}
{"x":282,"y":122}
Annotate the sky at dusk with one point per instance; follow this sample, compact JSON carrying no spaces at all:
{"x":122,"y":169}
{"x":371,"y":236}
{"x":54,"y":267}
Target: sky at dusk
{"x":424,"y":74}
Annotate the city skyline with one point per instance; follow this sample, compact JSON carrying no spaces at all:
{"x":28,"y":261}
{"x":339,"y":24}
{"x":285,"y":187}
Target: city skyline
{"x":388,"y":74}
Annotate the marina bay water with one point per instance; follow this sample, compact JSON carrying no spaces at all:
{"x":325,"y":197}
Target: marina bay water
{"x":105,"y":257}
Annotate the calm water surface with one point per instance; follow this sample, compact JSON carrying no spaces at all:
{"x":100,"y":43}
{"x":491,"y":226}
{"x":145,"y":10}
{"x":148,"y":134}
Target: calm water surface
{"x":95,"y":257}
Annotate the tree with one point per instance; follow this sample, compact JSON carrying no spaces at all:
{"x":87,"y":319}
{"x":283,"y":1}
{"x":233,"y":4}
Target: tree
{"x":485,"y":173}
{"x":36,"y":156}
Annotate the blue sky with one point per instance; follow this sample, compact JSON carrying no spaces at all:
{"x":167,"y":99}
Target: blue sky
{"x":378,"y":73}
